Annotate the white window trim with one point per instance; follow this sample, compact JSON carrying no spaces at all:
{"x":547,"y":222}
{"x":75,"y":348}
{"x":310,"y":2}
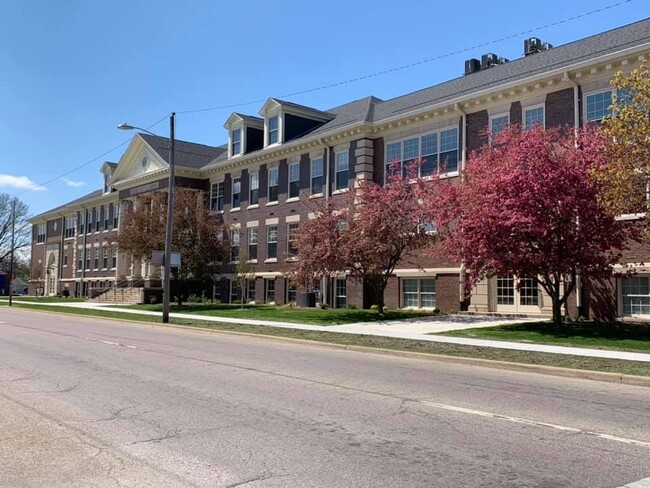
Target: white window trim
{"x":268,"y":185}
{"x":224,"y":195}
{"x":242,"y":140}
{"x":533,"y":107}
{"x":590,"y":93}
{"x":280,"y":115}
{"x":289,"y":197}
{"x":420,"y":134}
{"x":498,"y":116}
{"x":312,"y":158}
{"x":336,"y":171}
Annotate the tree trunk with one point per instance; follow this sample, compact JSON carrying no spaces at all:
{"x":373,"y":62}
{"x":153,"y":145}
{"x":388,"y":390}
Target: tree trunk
{"x":557,"y":312}
{"x":377,"y":287}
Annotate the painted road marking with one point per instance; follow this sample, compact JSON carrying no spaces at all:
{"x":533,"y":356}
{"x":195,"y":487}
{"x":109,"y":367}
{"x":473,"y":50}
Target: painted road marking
{"x":644,"y":483}
{"x":542,"y":424}
{"x":110,"y":343}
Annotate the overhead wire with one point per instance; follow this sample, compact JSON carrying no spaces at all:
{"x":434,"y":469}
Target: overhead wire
{"x":344,"y":82}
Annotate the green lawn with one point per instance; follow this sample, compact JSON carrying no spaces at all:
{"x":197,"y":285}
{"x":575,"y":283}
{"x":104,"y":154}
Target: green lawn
{"x":458,"y":350}
{"x":42,"y":299}
{"x":617,"y":335}
{"x":314,"y":316}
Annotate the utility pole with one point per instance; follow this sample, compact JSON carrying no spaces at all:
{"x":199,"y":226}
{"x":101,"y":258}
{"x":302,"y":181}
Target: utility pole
{"x":13,"y":244}
{"x":170,"y":223}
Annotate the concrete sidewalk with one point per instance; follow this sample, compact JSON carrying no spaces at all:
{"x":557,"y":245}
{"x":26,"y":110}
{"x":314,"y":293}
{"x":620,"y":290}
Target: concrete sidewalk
{"x":419,"y":329}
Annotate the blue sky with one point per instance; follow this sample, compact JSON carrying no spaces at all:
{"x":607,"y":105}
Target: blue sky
{"x":72,"y":70}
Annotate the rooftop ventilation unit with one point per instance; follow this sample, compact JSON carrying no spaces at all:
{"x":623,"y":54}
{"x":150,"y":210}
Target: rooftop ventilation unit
{"x":490,"y":59}
{"x":472,"y":66}
{"x":535,"y":45}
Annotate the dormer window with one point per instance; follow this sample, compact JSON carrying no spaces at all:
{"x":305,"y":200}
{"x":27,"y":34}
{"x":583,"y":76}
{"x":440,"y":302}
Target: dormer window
{"x":246,"y":134}
{"x":274,"y":130}
{"x":235,"y":144}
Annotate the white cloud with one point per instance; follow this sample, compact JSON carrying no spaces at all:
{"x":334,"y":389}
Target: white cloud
{"x":74,"y":184}
{"x":19,"y":182}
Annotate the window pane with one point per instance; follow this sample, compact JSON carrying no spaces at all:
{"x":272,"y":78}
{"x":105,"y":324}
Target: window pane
{"x":534,"y":116}
{"x":598,"y":105}
{"x":506,"y":290}
{"x":497,"y":124}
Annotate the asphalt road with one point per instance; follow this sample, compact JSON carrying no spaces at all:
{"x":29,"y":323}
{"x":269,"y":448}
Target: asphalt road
{"x":88,"y":402}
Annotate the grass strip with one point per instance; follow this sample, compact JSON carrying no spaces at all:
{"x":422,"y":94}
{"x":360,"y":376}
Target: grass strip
{"x":457,"y":350}
{"x":42,"y":299}
{"x":620,"y":336}
{"x":313,"y":316}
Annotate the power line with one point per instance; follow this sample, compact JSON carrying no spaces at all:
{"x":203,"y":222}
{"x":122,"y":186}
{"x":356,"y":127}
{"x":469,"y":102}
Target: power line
{"x":344,"y":82}
{"x":63,"y":175}
{"x":415,"y":63}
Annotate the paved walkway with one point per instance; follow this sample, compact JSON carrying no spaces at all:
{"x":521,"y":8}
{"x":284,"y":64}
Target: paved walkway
{"x":419,"y":329}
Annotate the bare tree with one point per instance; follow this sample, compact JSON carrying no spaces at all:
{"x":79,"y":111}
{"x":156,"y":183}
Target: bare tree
{"x":22,"y":229}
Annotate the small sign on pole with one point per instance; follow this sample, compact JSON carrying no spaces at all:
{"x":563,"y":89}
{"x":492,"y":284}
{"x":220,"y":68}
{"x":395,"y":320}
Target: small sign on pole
{"x":158,"y":259}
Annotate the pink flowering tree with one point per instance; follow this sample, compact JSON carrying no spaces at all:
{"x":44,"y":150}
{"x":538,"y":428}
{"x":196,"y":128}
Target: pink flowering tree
{"x":529,"y":206}
{"x":364,"y":233}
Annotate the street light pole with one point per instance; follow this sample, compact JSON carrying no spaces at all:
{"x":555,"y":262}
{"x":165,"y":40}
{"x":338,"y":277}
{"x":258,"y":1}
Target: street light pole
{"x":169,"y":231}
{"x":170,"y":222}
{"x":13,"y":244}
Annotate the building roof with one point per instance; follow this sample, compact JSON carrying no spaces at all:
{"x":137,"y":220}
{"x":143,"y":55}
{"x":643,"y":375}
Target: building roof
{"x":89,"y":196}
{"x":519,"y":69}
{"x":186,"y":154}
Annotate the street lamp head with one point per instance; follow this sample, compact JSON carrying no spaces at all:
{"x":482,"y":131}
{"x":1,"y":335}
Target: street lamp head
{"x":125,"y":126}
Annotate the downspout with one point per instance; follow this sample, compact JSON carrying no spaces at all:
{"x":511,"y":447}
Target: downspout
{"x":463,"y":162}
{"x":60,"y":275}
{"x":325,"y":281}
{"x":576,"y":127}
{"x":83,"y":254}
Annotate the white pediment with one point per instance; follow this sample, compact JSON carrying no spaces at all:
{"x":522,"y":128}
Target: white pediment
{"x":138,"y":160}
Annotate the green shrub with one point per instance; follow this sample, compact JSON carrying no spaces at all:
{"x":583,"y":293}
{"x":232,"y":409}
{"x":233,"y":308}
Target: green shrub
{"x":436,"y":311}
{"x":324,"y":306}
{"x":374,"y":307}
{"x":352,"y":306}
{"x":153,"y":299}
{"x":193,"y":298}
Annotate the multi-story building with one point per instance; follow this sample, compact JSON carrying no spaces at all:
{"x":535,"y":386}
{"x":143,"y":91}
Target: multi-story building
{"x":275,"y":164}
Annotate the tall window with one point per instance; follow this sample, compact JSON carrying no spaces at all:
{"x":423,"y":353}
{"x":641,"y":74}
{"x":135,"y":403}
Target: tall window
{"x":96,"y":260}
{"x":80,"y":260}
{"x":116,"y":216}
{"x":273,"y":184}
{"x":252,"y":243}
{"x":105,"y":211}
{"x":70,"y":226}
{"x":254,"y":194}
{"x":291,"y":292}
{"x":272,"y":242}
{"x":528,"y":293}
{"x":342,"y":166}
{"x":419,"y":293}
{"x":436,"y":150}
{"x":98,"y":220}
{"x":294,"y":180}
{"x":340,"y":292}
{"x":269,"y":289}
{"x":113,"y":258}
{"x":292,"y":239}
{"x":250,"y":290}
{"x":81,"y":221}
{"x":236,"y":192}
{"x":87,"y":254}
{"x":497,"y":124}
{"x":506,"y":290}
{"x":40,"y":233}
{"x":236,"y":142}
{"x":274,"y":129}
{"x":316,"y":176}
{"x":636,"y":295}
{"x":217,"y":195}
{"x":597,"y":106}
{"x":105,"y":258}
{"x":234,"y":245}
{"x":533,"y":116}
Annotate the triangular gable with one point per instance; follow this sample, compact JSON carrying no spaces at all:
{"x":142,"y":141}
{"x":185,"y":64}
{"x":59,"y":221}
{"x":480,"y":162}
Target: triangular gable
{"x":138,"y":159}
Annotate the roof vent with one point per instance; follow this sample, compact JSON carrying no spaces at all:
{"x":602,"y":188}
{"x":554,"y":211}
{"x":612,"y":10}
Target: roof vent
{"x":534,"y":45}
{"x":472,"y":66}
{"x":490,"y":59}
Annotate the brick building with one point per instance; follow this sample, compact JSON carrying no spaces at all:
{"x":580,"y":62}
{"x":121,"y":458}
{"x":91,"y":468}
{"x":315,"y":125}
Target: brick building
{"x":288,"y":155}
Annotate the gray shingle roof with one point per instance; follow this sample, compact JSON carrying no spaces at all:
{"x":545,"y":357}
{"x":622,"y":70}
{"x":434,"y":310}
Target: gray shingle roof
{"x":187,"y":154}
{"x":88,"y":196}
{"x":556,"y":58}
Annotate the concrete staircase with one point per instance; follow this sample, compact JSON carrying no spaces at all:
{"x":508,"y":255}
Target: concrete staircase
{"x":120,"y":295}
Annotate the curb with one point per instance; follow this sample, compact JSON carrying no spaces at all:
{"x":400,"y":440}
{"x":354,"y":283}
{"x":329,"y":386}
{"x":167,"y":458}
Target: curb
{"x":643,"y":381}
